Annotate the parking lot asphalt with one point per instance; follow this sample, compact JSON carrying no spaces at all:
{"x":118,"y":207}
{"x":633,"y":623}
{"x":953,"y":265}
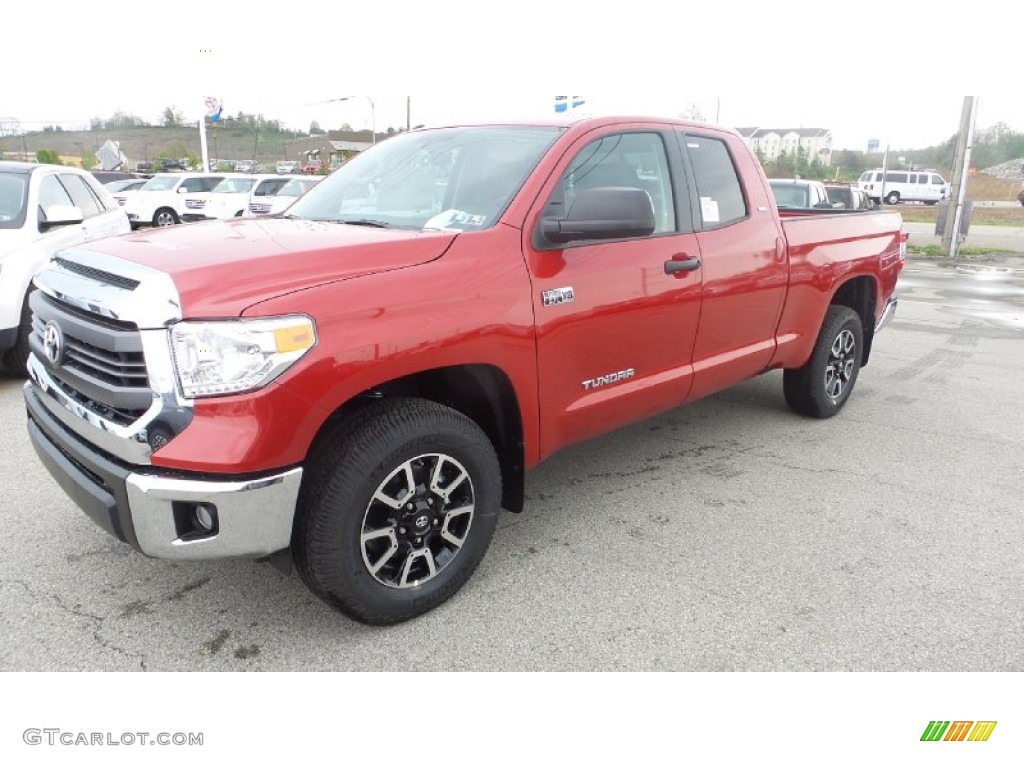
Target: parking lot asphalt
{"x":729,"y":534}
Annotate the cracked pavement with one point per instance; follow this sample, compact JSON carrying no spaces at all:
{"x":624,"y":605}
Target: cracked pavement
{"x":728,"y":534}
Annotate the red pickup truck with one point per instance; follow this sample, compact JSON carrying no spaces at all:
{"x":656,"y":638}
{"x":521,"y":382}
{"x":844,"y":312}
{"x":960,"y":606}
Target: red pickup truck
{"x":357,"y":386}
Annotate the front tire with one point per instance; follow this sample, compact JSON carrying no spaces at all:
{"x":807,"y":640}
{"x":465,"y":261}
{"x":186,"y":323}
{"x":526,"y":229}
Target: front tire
{"x":397,"y":509}
{"x":165,"y":217}
{"x":821,"y":388}
{"x":16,"y":358}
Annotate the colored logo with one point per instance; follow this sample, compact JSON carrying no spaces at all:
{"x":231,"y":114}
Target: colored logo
{"x":565,"y":104}
{"x":958,"y":730}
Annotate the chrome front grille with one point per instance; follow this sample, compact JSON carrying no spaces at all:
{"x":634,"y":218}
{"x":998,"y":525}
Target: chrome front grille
{"x":97,"y":361}
{"x":195,"y":204}
{"x":259,"y":207}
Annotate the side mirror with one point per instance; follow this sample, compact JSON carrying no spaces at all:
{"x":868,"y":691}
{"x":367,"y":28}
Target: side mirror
{"x":60,"y":216}
{"x":603,"y":213}
{"x":182,"y":191}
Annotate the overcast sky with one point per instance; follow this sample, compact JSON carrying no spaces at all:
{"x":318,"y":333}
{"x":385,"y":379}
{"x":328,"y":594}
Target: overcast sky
{"x":900,"y":76}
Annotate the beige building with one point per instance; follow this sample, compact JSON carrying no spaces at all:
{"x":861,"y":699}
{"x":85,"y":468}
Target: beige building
{"x":330,"y":149}
{"x":772,"y":142}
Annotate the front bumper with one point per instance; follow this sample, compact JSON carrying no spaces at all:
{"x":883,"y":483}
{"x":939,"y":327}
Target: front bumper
{"x":152,"y":510}
{"x":886,"y":317}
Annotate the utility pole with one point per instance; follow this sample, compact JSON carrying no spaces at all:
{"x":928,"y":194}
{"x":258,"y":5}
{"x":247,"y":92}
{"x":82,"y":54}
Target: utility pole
{"x":408,"y":113}
{"x":958,"y":190}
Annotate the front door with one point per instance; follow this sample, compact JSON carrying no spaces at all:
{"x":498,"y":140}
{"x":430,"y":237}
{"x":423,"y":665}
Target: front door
{"x":615,"y":326}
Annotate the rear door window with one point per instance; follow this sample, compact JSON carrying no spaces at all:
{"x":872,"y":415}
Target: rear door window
{"x":718,"y":184}
{"x":82,"y":196}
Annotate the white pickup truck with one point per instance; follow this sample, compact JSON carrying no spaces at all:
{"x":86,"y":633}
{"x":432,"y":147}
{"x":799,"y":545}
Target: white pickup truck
{"x":43,"y":208}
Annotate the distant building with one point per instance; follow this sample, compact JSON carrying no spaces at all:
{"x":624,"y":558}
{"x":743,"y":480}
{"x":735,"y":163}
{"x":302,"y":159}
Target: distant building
{"x":772,"y":142}
{"x":330,"y":149}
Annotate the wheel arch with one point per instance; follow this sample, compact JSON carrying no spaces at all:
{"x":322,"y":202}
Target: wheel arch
{"x":861,"y":295}
{"x":483,"y":393}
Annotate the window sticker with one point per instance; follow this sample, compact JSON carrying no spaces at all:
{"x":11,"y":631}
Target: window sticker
{"x":453,"y":219}
{"x":709,"y":210}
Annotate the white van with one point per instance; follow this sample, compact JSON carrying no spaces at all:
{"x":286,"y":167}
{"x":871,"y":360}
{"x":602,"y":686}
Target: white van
{"x":904,"y":186}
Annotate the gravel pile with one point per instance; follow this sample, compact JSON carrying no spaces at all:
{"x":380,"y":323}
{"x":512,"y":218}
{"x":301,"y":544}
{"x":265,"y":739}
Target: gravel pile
{"x":1011,"y":169}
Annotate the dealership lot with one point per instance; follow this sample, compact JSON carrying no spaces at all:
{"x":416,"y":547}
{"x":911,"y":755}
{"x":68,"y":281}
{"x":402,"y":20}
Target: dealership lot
{"x":726,"y":535}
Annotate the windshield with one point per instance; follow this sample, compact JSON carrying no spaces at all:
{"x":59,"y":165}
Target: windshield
{"x":13,"y":190}
{"x":160,"y":183}
{"x":791,"y":196}
{"x":235,"y":185}
{"x":294,"y":188}
{"x":450,"y":178}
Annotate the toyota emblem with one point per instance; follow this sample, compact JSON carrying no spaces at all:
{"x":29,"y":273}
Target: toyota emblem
{"x":53,"y":343}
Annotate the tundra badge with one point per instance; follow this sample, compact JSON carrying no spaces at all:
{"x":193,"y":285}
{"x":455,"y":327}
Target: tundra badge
{"x":610,"y":378}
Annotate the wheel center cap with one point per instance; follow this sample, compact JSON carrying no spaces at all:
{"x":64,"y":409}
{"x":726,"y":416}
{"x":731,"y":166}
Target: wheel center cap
{"x":421,"y":522}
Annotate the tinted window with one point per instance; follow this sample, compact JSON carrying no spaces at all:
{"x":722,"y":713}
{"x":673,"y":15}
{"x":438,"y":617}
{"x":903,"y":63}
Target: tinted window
{"x":840,"y":195}
{"x":13,"y":198}
{"x":104,"y":198}
{"x":81,"y":195}
{"x":718,"y":184}
{"x":896,"y":178}
{"x":787,"y":195}
{"x":269,"y":187}
{"x":625,"y":160}
{"x":52,"y":193}
{"x":937,"y":179}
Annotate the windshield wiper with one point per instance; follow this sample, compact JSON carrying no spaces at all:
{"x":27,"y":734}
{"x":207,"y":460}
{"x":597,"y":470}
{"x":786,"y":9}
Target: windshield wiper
{"x":366,"y":223}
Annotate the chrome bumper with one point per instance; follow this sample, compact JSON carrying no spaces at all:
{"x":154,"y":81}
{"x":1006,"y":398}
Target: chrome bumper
{"x":887,"y":313}
{"x":155,"y":512}
{"x":254,"y":516}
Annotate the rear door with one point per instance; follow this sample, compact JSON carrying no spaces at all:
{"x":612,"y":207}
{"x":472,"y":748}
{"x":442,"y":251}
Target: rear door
{"x":743,"y":254}
{"x":616,"y":320}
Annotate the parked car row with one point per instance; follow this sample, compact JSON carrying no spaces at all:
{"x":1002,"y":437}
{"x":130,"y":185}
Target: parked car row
{"x":169,"y":199}
{"x":806,"y":193}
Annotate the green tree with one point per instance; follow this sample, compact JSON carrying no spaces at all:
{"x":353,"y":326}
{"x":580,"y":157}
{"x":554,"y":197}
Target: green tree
{"x":50,"y":156}
{"x":314,"y":128}
{"x":173,"y":117}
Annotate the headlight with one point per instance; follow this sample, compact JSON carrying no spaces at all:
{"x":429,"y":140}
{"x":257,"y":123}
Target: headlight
{"x":226,"y":357}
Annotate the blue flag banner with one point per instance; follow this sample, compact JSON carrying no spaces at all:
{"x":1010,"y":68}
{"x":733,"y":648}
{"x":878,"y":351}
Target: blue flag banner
{"x":567,"y":103}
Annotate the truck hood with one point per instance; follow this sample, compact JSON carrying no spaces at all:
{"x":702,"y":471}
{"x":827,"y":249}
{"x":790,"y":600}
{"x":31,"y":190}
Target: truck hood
{"x":220,"y":268}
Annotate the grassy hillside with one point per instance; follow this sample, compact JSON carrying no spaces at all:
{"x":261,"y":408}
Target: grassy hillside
{"x":147,"y":143}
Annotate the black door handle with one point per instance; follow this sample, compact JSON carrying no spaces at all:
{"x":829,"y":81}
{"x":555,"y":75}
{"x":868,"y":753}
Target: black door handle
{"x":672,"y":266}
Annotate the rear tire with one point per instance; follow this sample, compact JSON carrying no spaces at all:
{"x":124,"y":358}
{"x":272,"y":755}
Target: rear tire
{"x":821,"y":388}
{"x":892,"y":198}
{"x":398,"y":506}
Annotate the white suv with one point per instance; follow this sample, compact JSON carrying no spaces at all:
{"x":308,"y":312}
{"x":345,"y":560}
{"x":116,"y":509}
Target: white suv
{"x":161,"y":202}
{"x":43,"y":208}
{"x":231,"y":198}
{"x":285,"y":196}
